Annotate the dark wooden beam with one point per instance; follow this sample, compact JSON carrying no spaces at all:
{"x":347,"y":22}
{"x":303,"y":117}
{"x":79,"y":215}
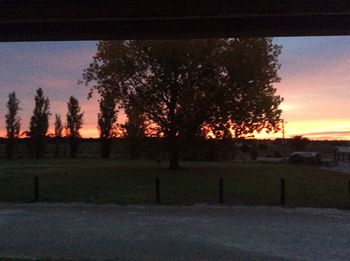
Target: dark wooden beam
{"x":34,"y":20}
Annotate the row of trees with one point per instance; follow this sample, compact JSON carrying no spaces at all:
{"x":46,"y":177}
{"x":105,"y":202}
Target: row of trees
{"x":181,"y":90}
{"x":188,"y":89}
{"x":39,"y":124}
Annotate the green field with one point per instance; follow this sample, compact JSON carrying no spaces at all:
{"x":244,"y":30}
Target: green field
{"x":133,"y":182}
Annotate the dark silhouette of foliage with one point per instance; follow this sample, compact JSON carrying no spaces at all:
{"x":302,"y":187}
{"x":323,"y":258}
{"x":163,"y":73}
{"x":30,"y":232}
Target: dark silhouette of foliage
{"x":254,"y":153}
{"x":134,"y":128}
{"x":13,"y":124}
{"x":298,"y":143}
{"x":277,"y":154}
{"x":248,"y":100}
{"x":107,"y":118}
{"x":74,"y":124}
{"x":245,"y":148}
{"x":58,"y":134}
{"x":192,"y":87}
{"x":39,"y":123}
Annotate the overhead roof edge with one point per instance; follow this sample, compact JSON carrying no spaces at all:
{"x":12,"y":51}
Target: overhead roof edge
{"x":40,"y":20}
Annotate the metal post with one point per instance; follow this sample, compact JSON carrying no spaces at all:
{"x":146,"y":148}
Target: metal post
{"x":157,"y":191}
{"x":36,"y":189}
{"x":221,"y":190}
{"x":283,"y":191}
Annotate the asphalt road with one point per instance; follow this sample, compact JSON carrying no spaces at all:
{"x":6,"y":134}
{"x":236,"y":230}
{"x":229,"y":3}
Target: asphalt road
{"x":77,"y":231}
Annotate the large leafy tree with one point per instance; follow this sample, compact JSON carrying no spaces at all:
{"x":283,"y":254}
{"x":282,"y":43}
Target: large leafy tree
{"x":74,"y":124}
{"x":39,"y":123}
{"x":191,"y":87}
{"x":248,"y":101}
{"x":107,"y":118}
{"x":13,"y":124}
{"x":58,"y":126}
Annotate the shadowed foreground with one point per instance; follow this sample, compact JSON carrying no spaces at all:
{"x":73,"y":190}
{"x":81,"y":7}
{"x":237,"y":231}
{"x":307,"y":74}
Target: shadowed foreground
{"x":78,"y":231}
{"x":133,"y":182}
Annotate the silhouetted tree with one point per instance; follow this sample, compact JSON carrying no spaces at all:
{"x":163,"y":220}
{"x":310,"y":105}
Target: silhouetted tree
{"x":58,"y":134}
{"x":39,"y":123}
{"x":224,"y":85}
{"x":134,"y":127}
{"x":13,"y":124}
{"x":107,"y":118}
{"x":74,"y":124}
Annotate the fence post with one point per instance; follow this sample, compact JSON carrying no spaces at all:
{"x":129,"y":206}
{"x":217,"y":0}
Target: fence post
{"x":349,"y":189}
{"x":36,"y":189}
{"x":221,"y":190}
{"x":157,"y":191}
{"x":283,"y":191}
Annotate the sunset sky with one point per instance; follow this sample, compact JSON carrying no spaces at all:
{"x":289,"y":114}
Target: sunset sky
{"x":315,"y":83}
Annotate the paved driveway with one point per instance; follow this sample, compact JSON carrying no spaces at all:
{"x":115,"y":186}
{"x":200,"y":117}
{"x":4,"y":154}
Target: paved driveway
{"x":77,"y":231}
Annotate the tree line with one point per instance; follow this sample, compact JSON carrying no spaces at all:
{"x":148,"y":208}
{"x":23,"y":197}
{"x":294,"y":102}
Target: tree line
{"x":181,"y":90}
{"x":39,"y":125}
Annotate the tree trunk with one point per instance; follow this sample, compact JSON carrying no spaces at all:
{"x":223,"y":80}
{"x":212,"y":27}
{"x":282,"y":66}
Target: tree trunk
{"x":173,"y":129}
{"x":173,"y":139}
{"x":39,"y":145}
{"x":57,"y":146}
{"x":106,"y":147}
{"x":173,"y":151}
{"x":10,"y":147}
{"x":74,"y":143}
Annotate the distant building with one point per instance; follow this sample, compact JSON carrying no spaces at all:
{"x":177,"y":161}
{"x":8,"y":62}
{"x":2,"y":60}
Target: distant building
{"x":342,"y":153}
{"x":305,"y":157}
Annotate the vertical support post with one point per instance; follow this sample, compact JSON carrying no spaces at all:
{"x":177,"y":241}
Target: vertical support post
{"x":157,"y":191}
{"x":283,"y":191}
{"x":221,"y":190}
{"x":36,"y":189}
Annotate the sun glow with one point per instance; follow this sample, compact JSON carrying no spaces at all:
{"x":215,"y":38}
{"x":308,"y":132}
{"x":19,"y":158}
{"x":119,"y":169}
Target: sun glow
{"x":331,"y":129}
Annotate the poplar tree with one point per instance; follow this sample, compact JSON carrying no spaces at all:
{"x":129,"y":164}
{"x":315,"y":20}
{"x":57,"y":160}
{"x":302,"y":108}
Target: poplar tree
{"x":74,"y":124}
{"x":58,"y":134}
{"x":13,"y":124}
{"x":107,"y":118}
{"x":134,"y":128}
{"x":39,"y":123}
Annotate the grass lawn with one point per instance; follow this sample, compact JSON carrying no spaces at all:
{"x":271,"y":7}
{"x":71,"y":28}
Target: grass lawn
{"x":133,"y":182}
